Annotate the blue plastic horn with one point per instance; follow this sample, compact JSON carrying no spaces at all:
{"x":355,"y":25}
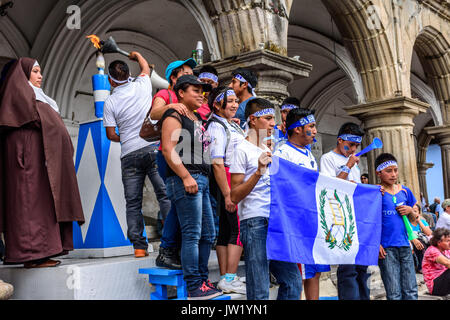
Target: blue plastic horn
{"x":376,"y":144}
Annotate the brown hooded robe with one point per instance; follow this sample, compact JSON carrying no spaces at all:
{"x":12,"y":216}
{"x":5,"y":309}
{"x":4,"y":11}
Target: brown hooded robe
{"x":39,"y":196}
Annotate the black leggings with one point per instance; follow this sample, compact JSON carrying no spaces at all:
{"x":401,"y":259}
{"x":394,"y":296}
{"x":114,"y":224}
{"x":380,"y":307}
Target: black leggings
{"x":441,"y":285}
{"x":228,"y":225}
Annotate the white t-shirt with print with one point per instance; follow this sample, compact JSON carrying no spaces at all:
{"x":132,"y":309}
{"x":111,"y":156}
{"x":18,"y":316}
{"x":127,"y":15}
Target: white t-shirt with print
{"x":331,"y":164}
{"x":302,"y":157}
{"x":219,"y":139}
{"x":245,"y":161}
{"x":126,"y":109}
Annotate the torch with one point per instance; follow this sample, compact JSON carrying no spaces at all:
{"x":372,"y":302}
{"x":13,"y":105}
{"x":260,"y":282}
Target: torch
{"x":110,"y":46}
{"x":100,"y":81}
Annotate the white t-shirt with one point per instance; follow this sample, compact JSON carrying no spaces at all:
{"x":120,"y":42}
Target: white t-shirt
{"x":126,"y":109}
{"x":245,"y":161}
{"x":331,"y":164}
{"x":443,"y":221}
{"x":302,"y":157}
{"x":219,"y":139}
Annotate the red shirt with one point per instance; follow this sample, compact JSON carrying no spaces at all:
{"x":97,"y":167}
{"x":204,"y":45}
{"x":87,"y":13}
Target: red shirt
{"x":164,"y":94}
{"x":203,"y":111}
{"x":430,"y":268}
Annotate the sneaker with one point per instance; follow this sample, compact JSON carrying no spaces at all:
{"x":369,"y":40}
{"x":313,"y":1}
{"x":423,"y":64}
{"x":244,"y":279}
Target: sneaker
{"x":204,"y":292}
{"x":6,"y":290}
{"x":167,"y":259}
{"x":235,"y":286}
{"x":140,"y":253}
{"x":212,"y":286}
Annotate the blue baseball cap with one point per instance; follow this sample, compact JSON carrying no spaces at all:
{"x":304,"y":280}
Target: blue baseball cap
{"x":176,"y":64}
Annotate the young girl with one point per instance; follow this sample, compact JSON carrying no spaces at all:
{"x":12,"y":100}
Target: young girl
{"x":226,"y":135}
{"x":184,"y":144}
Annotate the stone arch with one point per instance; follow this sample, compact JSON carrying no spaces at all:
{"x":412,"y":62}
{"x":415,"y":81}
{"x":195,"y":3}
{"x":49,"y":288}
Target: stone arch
{"x":370,"y":47}
{"x":433,"y":51}
{"x":12,"y":42}
{"x":97,"y":17}
{"x":312,"y":41}
{"x":427,"y":94}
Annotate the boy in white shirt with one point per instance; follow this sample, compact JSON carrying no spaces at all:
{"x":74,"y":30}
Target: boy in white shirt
{"x":301,"y":130}
{"x":342,"y":163}
{"x":250,"y":188}
{"x":126,"y":109}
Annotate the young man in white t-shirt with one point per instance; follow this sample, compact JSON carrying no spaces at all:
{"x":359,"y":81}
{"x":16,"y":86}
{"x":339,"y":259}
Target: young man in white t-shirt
{"x":126,"y":110}
{"x":342,"y":163}
{"x":301,"y":129}
{"x":250,"y":188}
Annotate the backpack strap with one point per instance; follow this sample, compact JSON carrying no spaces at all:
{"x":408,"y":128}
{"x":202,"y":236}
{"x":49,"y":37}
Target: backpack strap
{"x":227,"y":131}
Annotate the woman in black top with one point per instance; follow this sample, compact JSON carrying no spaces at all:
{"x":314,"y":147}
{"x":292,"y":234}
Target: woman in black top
{"x":185,"y":146}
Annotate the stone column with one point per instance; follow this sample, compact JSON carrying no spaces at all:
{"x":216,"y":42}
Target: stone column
{"x":246,"y":25}
{"x":275,"y":72}
{"x":442,"y":134}
{"x":392,"y":121}
{"x":422,"y":171}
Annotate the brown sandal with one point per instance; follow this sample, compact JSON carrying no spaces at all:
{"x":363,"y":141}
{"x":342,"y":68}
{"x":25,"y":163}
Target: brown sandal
{"x":46,"y":264}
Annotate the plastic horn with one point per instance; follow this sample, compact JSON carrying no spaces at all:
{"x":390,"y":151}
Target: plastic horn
{"x":411,"y":234}
{"x":376,"y":144}
{"x":158,"y":82}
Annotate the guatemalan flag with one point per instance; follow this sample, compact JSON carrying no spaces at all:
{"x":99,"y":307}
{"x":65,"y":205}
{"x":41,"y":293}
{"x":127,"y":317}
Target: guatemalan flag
{"x":316,"y":219}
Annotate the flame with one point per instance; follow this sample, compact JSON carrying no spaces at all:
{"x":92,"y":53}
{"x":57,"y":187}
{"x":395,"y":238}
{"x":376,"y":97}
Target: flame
{"x":95,"y":40}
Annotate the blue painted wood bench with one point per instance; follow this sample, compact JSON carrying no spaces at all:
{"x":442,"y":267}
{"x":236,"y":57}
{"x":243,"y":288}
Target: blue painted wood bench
{"x":160,"y":278}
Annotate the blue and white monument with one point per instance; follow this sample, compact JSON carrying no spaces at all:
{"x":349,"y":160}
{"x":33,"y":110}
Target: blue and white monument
{"x":97,"y":164}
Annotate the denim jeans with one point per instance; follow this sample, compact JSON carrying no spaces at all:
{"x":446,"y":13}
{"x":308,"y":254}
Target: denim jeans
{"x":398,"y":274}
{"x":171,"y":234}
{"x":197,"y":228}
{"x":352,"y":282}
{"x":253,"y":236}
{"x":135,"y":167}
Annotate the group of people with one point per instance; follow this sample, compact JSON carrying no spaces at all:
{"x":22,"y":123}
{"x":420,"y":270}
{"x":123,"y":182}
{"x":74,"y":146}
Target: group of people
{"x":216,"y":145}
{"x":213,"y":159}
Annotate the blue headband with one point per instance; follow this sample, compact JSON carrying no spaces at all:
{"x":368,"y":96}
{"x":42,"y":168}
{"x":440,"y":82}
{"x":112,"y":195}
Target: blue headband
{"x":221,"y":96}
{"x":264,"y":112}
{"x":386,"y":164}
{"x":242,"y":79}
{"x":351,"y":137}
{"x":302,"y":122}
{"x":208,"y":75}
{"x":288,"y":107}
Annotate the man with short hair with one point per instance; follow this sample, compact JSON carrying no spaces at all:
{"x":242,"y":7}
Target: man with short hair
{"x":126,"y":109}
{"x":342,"y":163}
{"x":243,"y":83}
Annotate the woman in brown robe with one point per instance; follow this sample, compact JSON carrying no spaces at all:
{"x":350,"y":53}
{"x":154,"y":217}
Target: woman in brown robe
{"x":39,"y":196}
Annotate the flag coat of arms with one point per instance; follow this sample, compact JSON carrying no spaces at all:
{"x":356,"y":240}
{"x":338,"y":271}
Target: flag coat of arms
{"x":317,"y":219}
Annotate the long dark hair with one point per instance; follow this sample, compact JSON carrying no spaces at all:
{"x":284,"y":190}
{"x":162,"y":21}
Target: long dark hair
{"x":213,"y":96}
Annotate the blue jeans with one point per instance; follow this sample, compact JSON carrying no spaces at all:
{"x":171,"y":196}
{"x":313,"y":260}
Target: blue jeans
{"x":171,"y":235}
{"x":197,"y":228}
{"x":257,"y":267}
{"x":352,"y":282}
{"x":398,"y":274}
{"x":135,"y":167}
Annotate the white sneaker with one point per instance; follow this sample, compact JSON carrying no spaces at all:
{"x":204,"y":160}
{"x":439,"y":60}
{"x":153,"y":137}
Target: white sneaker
{"x":242,"y":279}
{"x":235,"y":286}
{"x":6,"y":290}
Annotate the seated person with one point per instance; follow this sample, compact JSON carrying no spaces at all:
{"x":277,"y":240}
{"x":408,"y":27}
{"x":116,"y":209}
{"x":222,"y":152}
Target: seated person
{"x":423,"y":232}
{"x":436,"y":263}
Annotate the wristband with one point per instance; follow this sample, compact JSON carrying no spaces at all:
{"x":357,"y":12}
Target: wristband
{"x":345,"y":169}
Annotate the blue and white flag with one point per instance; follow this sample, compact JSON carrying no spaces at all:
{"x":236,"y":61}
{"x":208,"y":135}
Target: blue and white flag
{"x":316,"y":219}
